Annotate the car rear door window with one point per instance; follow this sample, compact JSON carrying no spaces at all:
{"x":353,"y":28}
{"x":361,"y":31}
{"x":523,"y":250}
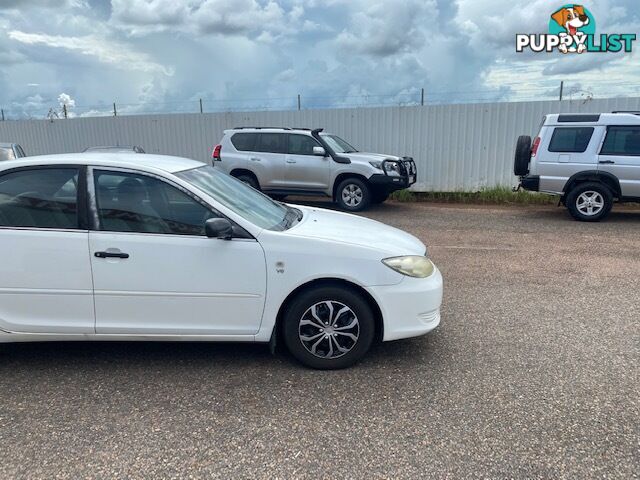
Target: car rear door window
{"x":570,"y":139}
{"x":272,"y":143}
{"x":40,"y":198}
{"x":301,"y":144}
{"x":622,"y":141}
{"x":129,"y":202}
{"x":244,"y":142}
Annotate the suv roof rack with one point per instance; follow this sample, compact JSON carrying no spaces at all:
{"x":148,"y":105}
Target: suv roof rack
{"x":272,"y":128}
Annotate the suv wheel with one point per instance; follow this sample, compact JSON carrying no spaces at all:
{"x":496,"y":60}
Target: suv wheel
{"x":249,"y":180}
{"x":353,"y":195}
{"x":523,"y":156}
{"x":328,"y":327}
{"x":589,"y":202}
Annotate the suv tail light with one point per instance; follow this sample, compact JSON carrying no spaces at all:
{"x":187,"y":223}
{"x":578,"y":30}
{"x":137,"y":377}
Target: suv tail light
{"x":216,"y":152}
{"x":534,"y":147}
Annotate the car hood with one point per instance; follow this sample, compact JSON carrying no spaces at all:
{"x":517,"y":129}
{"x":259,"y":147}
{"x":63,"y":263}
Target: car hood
{"x":367,"y":157}
{"x":350,"y":229}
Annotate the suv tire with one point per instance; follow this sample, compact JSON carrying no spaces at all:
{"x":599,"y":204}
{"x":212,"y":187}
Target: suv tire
{"x":312,"y":324}
{"x":249,"y":180}
{"x":589,"y":202}
{"x":523,"y":156}
{"x":353,"y":195}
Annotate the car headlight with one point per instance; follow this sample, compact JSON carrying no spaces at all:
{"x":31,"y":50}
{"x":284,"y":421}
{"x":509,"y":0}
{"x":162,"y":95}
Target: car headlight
{"x":411,"y":265}
{"x":377,"y":165}
{"x":392,"y":167}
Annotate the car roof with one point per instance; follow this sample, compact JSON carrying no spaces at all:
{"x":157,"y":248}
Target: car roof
{"x":567,"y":119}
{"x":231,"y":131}
{"x":164,"y":163}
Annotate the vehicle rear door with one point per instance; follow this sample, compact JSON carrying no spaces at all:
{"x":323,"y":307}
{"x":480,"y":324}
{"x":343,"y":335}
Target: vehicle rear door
{"x":305,"y":170}
{"x":620,"y":156}
{"x":267,"y":161}
{"x":45,"y":272}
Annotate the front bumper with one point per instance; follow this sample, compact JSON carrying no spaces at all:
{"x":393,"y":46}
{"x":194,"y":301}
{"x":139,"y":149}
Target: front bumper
{"x":410,"y":308}
{"x":391,"y":183}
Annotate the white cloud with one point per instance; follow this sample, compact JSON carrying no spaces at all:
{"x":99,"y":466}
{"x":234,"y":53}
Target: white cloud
{"x":106,"y":52}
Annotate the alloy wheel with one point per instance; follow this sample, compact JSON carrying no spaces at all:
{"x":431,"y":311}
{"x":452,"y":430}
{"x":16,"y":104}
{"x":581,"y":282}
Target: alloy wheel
{"x":329,"y":329}
{"x":590,"y":203}
{"x":352,"y":195}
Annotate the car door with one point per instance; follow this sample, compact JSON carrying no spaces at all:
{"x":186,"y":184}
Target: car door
{"x":154,"y":270}
{"x":304,"y":169}
{"x":45,"y":272}
{"x":267,"y":160}
{"x":620,"y":156}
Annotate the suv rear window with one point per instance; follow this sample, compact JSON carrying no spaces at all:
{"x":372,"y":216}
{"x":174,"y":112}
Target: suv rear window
{"x":244,"y":142}
{"x":570,"y":139}
{"x":622,"y":141}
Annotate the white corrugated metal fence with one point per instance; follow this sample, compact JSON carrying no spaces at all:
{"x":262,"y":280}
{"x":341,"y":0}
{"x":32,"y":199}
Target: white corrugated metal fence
{"x":456,"y":147}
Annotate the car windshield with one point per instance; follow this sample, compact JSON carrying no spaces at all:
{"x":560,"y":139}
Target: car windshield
{"x":6,"y":154}
{"x":239,"y":197}
{"x":338,"y":145}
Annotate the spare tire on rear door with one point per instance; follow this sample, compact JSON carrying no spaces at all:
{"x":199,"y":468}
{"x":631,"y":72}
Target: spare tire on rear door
{"x":523,"y":155}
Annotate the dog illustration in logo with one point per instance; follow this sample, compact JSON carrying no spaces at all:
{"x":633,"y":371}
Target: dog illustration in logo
{"x":571,"y":19}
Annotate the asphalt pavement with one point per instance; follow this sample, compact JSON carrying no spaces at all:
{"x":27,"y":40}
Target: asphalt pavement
{"x":533,"y":373}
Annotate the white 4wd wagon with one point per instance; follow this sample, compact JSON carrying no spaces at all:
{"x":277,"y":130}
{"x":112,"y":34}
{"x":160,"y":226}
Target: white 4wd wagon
{"x":298,"y":161}
{"x":590,"y":160}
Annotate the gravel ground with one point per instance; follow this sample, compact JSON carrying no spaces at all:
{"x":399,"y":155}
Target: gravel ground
{"x":533,"y":373}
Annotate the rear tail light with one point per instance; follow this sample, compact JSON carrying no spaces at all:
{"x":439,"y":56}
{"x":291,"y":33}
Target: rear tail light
{"x":216,"y":152}
{"x":534,"y":147}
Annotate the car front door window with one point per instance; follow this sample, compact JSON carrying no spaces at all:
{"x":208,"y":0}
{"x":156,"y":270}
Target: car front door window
{"x":130,"y":202}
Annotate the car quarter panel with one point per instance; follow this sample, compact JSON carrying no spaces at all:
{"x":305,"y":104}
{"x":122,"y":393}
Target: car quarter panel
{"x":555,"y":168}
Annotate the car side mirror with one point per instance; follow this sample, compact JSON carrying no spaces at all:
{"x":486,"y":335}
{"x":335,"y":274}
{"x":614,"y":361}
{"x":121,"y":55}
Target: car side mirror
{"x":320,"y":151}
{"x":218,"y":228}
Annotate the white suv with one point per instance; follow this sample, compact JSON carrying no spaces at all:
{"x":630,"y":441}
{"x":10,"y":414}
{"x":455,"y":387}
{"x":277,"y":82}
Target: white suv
{"x":590,"y":160}
{"x":298,"y":161}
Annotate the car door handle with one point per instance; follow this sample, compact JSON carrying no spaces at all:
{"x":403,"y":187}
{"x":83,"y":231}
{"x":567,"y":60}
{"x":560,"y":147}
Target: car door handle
{"x":291,"y":161}
{"x":607,"y":162}
{"x":255,"y":159}
{"x":111,"y":255}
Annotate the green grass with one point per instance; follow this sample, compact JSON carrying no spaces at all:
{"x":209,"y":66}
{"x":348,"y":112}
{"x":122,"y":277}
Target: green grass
{"x":489,"y":196}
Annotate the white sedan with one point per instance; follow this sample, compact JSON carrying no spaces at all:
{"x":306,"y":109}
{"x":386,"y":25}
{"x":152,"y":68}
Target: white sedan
{"x":148,"y":247}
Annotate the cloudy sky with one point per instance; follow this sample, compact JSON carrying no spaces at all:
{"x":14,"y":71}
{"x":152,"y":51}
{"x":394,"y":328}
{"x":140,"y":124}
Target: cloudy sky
{"x":165,"y":55}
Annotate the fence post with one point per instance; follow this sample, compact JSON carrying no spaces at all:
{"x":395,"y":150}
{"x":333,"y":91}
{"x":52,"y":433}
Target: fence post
{"x":200,"y":105}
{"x":422,"y":96}
{"x":115,"y":112}
{"x":561,"y":89}
{"x":2,"y":110}
{"x":298,"y":101}
{"x":64,"y":110}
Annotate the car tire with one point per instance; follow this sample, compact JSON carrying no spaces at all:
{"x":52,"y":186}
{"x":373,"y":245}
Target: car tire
{"x":353,"y":195}
{"x":249,"y":180}
{"x":523,"y":156}
{"x":379,"y":197}
{"x":589,"y":202}
{"x":309,"y":322}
